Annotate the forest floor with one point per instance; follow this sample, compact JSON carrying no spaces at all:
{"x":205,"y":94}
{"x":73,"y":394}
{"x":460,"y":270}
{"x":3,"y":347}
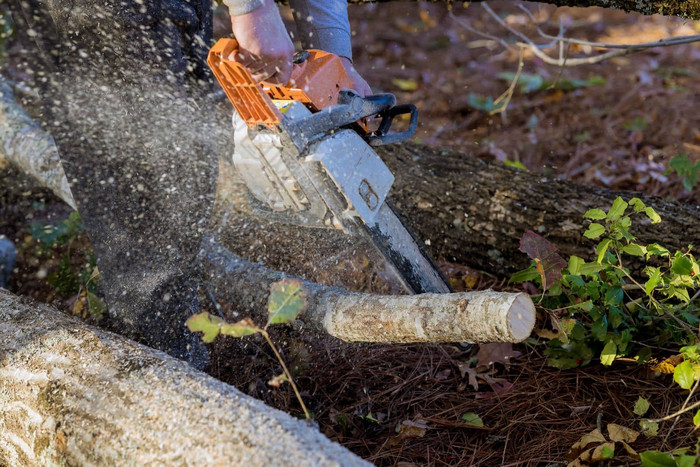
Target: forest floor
{"x":618,"y":124}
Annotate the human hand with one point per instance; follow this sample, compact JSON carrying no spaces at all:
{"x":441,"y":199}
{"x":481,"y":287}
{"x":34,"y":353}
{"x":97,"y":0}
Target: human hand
{"x":358,"y":82}
{"x":265,"y":48}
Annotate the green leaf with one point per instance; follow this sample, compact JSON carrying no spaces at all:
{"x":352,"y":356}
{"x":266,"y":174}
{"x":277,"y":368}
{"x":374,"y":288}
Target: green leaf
{"x":685,"y":460}
{"x":596,"y":214}
{"x":601,"y":249}
{"x":607,"y":452}
{"x":607,"y":356}
{"x":654,"y":279}
{"x":287,"y":299}
{"x":637,"y":204}
{"x":649,"y":428}
{"x":656,"y":459}
{"x":696,"y":418}
{"x":684,"y":375}
{"x":656,"y":249}
{"x":242,"y":328}
{"x":205,"y":323}
{"x":682,"y":265}
{"x":651,"y":214}
{"x":472,"y":419}
{"x":641,"y":406}
{"x":594,"y":231}
{"x":591,"y":268}
{"x":643,"y":356}
{"x":599,"y":328}
{"x":617,"y":210}
{"x":575,"y":264}
{"x":525,"y":275}
{"x":634,"y":249}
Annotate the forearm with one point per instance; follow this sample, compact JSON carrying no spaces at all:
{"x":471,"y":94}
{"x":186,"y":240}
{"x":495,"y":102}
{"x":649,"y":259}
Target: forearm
{"x":324,"y":25}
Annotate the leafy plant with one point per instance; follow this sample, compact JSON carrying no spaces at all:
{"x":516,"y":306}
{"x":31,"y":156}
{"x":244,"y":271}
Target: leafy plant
{"x":689,"y":172}
{"x":598,"y":308}
{"x":286,"y":300}
{"x":66,"y":279}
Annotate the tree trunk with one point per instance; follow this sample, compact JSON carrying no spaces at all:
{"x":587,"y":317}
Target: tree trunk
{"x":474,"y":212}
{"x":685,"y":9}
{"x":71,"y":394}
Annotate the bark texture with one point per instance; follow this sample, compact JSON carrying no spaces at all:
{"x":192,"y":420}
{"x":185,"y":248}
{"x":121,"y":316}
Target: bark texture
{"x":685,"y":9}
{"x":474,"y":212}
{"x":484,"y":316}
{"x":24,"y":144}
{"x":74,"y":395}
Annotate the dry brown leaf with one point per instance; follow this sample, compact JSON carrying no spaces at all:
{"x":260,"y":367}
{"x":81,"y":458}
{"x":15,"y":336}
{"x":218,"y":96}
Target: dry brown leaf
{"x":621,"y":433}
{"x":410,"y":429}
{"x":594,"y":437}
{"x":465,"y":369}
{"x":633,"y":454}
{"x":500,"y":352}
{"x":667,"y":366}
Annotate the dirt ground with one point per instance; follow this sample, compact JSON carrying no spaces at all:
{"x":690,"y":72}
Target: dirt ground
{"x":616,"y":124}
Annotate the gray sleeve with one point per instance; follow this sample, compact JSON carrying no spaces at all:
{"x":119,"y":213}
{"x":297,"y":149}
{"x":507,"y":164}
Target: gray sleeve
{"x":241,"y":7}
{"x":324,"y":25}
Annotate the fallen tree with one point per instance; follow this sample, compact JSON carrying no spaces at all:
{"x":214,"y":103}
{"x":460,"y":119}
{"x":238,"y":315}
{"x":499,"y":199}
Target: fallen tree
{"x":71,"y":394}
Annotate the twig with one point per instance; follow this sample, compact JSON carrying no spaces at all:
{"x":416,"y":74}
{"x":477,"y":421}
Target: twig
{"x":683,"y":409}
{"x":286,"y":372}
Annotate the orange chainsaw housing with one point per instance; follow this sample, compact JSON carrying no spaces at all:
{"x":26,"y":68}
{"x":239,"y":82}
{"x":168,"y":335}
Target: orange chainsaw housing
{"x":315,"y":82}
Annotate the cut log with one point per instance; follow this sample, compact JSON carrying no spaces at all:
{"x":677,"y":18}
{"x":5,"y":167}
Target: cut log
{"x":484,"y":316}
{"x":71,"y":394}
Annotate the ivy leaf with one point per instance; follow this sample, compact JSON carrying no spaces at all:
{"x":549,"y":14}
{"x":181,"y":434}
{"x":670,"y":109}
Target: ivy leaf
{"x":287,"y":299}
{"x":594,"y":231}
{"x":656,"y":249}
{"x":607,"y":356}
{"x":595,"y":214}
{"x":617,"y":210}
{"x":683,"y":374}
{"x":472,"y":419}
{"x":575,"y":264}
{"x":641,"y":406}
{"x":542,"y":250}
{"x":696,"y":418}
{"x":654,"y":279}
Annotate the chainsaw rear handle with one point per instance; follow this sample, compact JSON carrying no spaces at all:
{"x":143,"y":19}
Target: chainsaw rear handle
{"x":382,"y":136}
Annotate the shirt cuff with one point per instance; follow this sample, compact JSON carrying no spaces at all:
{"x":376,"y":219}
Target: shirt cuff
{"x":241,"y":7}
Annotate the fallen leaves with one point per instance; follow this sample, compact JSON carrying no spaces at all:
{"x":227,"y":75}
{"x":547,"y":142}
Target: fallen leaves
{"x":594,"y":447}
{"x":549,"y":262}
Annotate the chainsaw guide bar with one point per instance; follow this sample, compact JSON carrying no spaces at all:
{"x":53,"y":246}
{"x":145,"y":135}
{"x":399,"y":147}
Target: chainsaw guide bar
{"x":304,"y":151}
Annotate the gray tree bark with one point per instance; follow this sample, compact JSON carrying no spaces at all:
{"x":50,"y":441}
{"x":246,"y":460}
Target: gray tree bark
{"x":71,"y":394}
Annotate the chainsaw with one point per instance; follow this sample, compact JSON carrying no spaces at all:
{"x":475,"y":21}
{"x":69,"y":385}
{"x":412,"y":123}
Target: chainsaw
{"x":304,"y":152}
